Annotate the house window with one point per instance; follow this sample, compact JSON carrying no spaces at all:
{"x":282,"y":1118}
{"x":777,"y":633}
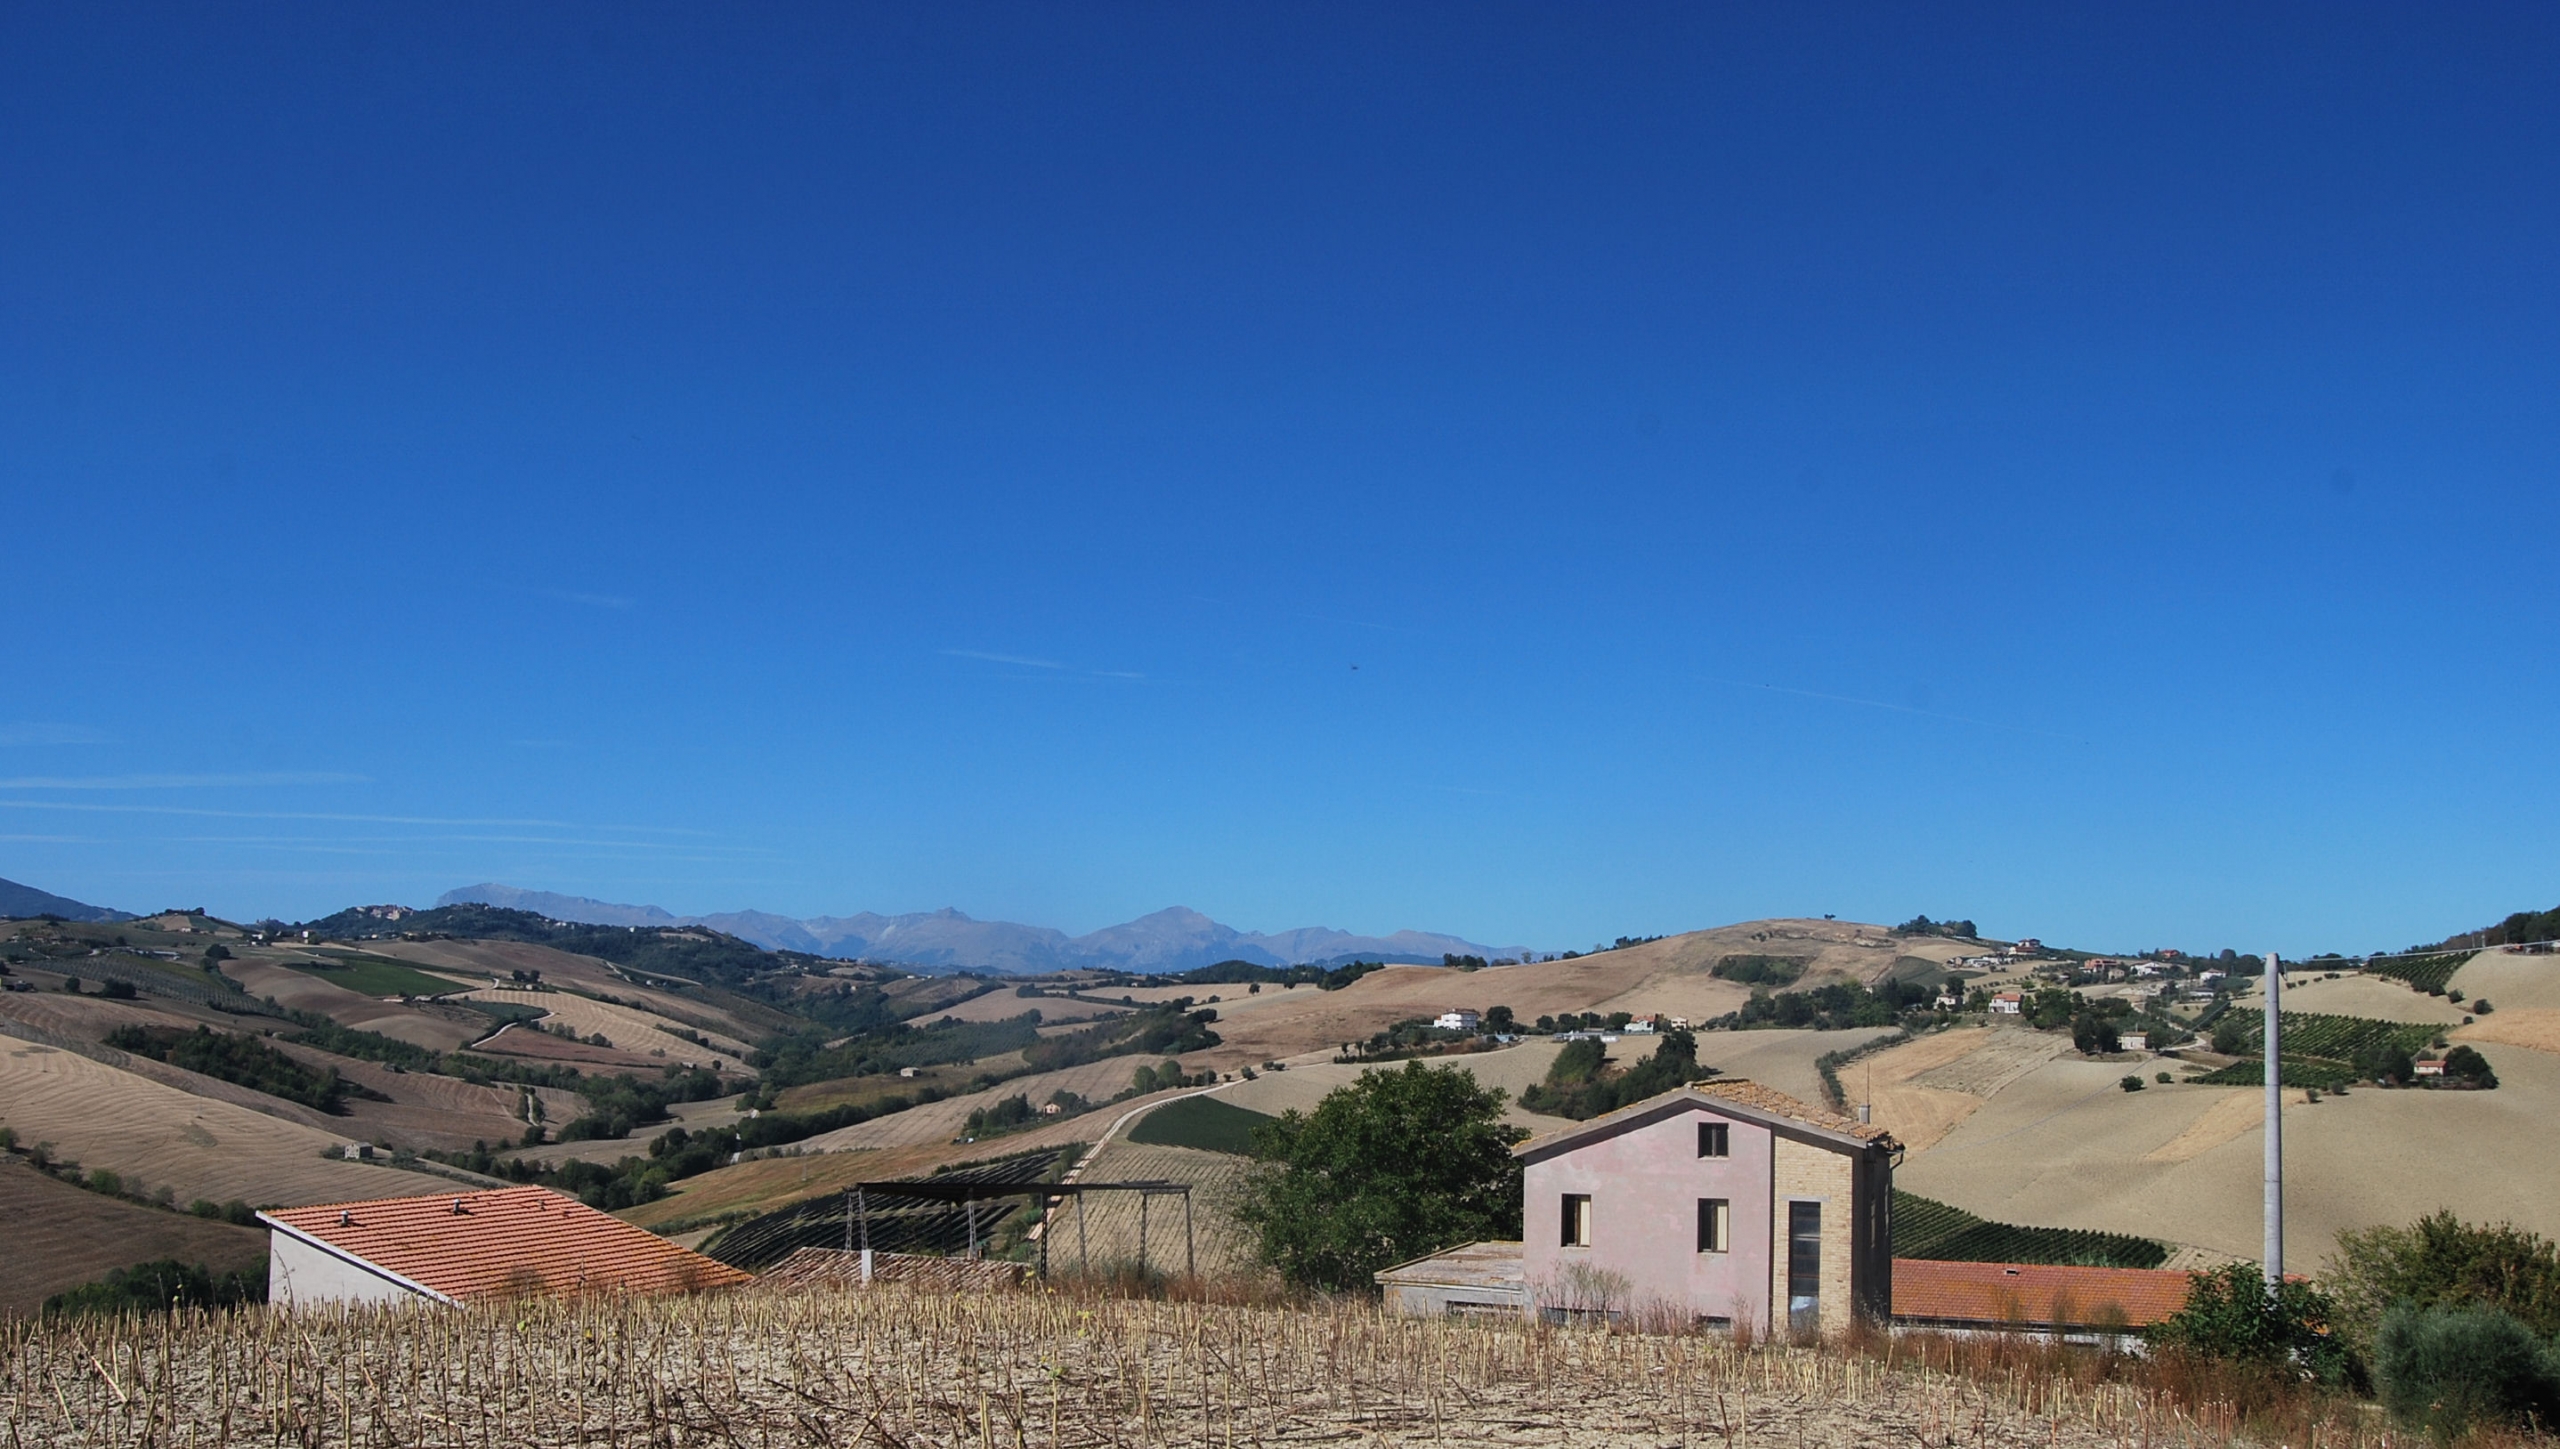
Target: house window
{"x":1577,"y":1220}
{"x":1715,"y":1225}
{"x":1715,"y":1139}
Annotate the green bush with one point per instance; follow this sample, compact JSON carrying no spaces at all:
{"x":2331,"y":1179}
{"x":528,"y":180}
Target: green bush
{"x":157,"y":1287}
{"x":2230,"y":1314}
{"x":2448,"y":1369}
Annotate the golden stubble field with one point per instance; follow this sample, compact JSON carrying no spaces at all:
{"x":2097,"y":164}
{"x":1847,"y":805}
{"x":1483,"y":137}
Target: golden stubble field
{"x":2062,"y":1145}
{"x":1002,"y":1370}
{"x":157,"y":1136}
{"x":60,"y":1236}
{"x":629,"y":1029}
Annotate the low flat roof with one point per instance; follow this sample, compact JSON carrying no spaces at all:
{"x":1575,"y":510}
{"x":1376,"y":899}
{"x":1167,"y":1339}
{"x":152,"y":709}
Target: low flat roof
{"x":1475,"y":1265}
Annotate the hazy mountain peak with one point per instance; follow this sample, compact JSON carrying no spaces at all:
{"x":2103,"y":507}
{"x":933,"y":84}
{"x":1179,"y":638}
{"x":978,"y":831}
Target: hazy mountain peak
{"x":1175,"y":938}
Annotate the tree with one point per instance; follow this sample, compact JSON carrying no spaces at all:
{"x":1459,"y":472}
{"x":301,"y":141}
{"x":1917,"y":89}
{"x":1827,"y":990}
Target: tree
{"x":1500,"y":1021}
{"x":1394,"y":1166}
{"x":2462,"y":1064}
{"x":2093,"y":1034}
{"x":2231,"y":1314}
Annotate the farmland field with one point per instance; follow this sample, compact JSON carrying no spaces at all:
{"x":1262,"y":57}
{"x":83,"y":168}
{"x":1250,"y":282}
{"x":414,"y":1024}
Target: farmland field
{"x":1200,"y":1122}
{"x":2339,"y":1038}
{"x":374,"y":975}
{"x":898,"y":1366}
{"x":61,"y":1236}
{"x":158,"y":1136}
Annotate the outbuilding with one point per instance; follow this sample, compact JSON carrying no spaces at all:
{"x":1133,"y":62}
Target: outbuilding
{"x":459,"y":1247}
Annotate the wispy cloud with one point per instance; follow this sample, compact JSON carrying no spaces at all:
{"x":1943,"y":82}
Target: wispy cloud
{"x":1115,"y":674}
{"x":592,"y":601}
{"x":178,"y":782}
{"x":993,"y":658}
{"x":41,"y":732}
{"x":339,"y":818}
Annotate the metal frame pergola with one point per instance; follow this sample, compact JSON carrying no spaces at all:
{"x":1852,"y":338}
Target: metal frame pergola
{"x":1050,"y":1194}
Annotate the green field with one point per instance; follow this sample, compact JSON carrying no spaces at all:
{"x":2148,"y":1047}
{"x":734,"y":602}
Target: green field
{"x":1202,"y":1122}
{"x":377,"y":976}
{"x":2294,"y":1071}
{"x":1926,"y":1228}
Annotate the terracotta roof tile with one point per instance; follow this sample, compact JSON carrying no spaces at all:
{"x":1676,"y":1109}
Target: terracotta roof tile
{"x":1739,"y":1091}
{"x":1991,"y":1293}
{"x":505,"y":1242}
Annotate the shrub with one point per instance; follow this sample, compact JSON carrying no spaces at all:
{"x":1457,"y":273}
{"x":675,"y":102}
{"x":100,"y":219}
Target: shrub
{"x":2447,"y":1369}
{"x":2163,"y":1078}
{"x":157,"y":1287}
{"x":2131,"y":1083}
{"x":2464,"y":1065}
{"x":2231,"y":1314}
{"x":2440,"y":1261}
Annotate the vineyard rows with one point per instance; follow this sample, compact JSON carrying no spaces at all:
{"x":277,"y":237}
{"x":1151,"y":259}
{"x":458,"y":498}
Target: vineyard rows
{"x":2340,"y":1038}
{"x":2427,"y":973}
{"x":1926,"y":1228}
{"x":2293,"y":1070}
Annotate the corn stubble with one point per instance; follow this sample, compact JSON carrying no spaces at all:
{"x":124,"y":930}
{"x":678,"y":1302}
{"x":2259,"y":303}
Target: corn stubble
{"x":1035,"y":1370}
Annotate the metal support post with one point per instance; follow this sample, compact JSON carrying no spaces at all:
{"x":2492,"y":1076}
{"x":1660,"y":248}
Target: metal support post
{"x":1143,"y":1195}
{"x":2275,"y":1125}
{"x":1190,"y":1259}
{"x":970,"y":1205}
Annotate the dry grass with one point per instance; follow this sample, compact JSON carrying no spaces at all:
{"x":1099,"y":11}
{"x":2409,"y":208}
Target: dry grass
{"x":1034,"y":1370}
{"x":629,"y":1029}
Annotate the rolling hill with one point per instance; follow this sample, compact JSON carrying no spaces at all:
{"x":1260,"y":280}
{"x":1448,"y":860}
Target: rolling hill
{"x":24,"y":900}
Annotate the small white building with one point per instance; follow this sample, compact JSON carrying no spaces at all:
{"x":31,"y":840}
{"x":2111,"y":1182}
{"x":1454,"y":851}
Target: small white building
{"x":1461,"y":1019}
{"x":2136,"y":1041}
{"x":2008,"y":1003}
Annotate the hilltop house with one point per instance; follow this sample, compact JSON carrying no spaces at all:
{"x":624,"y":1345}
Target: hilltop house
{"x":1461,"y":1019}
{"x":2008,"y":1003}
{"x":511,"y":1242}
{"x":1723,"y":1203}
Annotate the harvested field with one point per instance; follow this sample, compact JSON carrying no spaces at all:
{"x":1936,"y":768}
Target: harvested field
{"x":944,"y":1120}
{"x":1031,"y":1370}
{"x":1919,"y":1116}
{"x":1004,"y":1005}
{"x":2511,"y":982}
{"x":158,"y":1136}
{"x":2354,"y":994}
{"x":2064,"y":1146}
{"x":2537,"y":1027}
{"x":713,"y":1013}
{"x":426,"y":1110}
{"x":629,"y":1029}
{"x":441,"y":1028}
{"x":1110,"y":1235}
{"x":61,"y":1237}
{"x":519,"y":1039}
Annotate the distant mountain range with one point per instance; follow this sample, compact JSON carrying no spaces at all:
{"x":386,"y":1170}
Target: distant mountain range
{"x":1175,"y":939}
{"x":22,"y":901}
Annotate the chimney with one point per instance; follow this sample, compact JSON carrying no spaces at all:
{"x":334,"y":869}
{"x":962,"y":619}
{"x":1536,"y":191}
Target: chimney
{"x":346,"y":1219}
{"x":457,"y":1207}
{"x":1866,"y":1113}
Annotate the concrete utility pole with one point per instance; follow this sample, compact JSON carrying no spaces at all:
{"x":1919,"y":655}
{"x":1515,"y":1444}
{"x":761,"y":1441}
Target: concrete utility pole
{"x":2275,"y":1125}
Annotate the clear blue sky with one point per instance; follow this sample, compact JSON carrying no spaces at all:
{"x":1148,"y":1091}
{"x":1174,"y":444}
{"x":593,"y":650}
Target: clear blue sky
{"x":1534,"y":472}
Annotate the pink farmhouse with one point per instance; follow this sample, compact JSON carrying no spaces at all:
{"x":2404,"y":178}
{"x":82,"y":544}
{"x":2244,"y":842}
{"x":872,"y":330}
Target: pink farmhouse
{"x":1723,"y":1203}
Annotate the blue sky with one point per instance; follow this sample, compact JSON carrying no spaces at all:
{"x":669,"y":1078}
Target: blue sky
{"x":1540,"y":472}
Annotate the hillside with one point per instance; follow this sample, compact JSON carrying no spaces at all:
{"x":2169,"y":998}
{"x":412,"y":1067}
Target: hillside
{"x":23,"y":900}
{"x":62,"y":1236}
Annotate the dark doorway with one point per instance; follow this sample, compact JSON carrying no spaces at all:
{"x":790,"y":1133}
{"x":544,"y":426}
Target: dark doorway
{"x":1804,"y":1269}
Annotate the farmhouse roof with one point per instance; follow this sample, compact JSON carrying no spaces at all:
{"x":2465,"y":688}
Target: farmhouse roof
{"x":1734,"y":1096}
{"x":506,"y":1242}
{"x":1928,"y":1291}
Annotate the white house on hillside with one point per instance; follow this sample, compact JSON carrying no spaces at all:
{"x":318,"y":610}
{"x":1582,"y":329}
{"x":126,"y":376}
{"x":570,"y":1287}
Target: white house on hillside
{"x":1461,"y":1019}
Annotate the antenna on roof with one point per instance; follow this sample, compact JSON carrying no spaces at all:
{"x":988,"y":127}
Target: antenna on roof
{"x":457,"y":1207}
{"x":346,"y":1219}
